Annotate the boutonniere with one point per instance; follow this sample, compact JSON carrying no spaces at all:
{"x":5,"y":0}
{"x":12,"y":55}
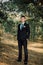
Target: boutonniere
{"x":24,"y":26}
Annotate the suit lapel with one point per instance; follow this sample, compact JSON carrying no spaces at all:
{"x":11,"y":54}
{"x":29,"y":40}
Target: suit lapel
{"x":25,"y":23}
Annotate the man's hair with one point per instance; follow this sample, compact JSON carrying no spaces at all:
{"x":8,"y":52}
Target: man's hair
{"x":22,"y":16}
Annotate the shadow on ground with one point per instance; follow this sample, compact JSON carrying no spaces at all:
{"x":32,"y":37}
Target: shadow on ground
{"x":9,"y":53}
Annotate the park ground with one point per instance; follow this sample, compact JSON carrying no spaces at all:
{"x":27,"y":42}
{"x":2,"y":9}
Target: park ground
{"x":9,"y":52}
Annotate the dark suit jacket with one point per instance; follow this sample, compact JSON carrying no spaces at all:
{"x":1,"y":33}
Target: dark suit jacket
{"x":24,"y":33}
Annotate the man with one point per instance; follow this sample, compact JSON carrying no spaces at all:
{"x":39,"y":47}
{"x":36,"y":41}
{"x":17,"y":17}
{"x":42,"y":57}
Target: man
{"x":22,"y":36}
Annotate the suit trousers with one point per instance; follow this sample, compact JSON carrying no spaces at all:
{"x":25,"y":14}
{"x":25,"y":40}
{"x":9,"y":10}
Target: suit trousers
{"x":24,"y":44}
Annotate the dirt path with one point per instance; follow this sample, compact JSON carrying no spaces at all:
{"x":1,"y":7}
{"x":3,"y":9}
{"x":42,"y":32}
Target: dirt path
{"x":37,"y":47}
{"x":3,"y":63}
{"x":9,"y":53}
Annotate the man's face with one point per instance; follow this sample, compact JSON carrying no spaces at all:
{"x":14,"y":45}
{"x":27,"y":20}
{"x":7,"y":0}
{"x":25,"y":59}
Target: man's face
{"x":23,"y":19}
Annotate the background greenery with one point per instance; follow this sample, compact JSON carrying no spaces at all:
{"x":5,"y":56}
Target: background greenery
{"x":10,"y":13}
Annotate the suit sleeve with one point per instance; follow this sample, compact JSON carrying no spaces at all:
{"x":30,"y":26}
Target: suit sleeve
{"x":18,"y":32}
{"x":28,"y":31}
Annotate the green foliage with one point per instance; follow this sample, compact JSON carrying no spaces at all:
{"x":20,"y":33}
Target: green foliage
{"x":36,"y":27}
{"x":3,"y":15}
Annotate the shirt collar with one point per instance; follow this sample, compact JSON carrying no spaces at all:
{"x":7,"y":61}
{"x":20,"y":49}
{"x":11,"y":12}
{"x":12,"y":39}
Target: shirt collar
{"x":23,"y":22}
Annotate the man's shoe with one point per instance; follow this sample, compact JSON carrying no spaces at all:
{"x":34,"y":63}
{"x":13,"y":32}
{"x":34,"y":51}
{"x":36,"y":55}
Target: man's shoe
{"x":19,"y":60}
{"x":25,"y":63}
